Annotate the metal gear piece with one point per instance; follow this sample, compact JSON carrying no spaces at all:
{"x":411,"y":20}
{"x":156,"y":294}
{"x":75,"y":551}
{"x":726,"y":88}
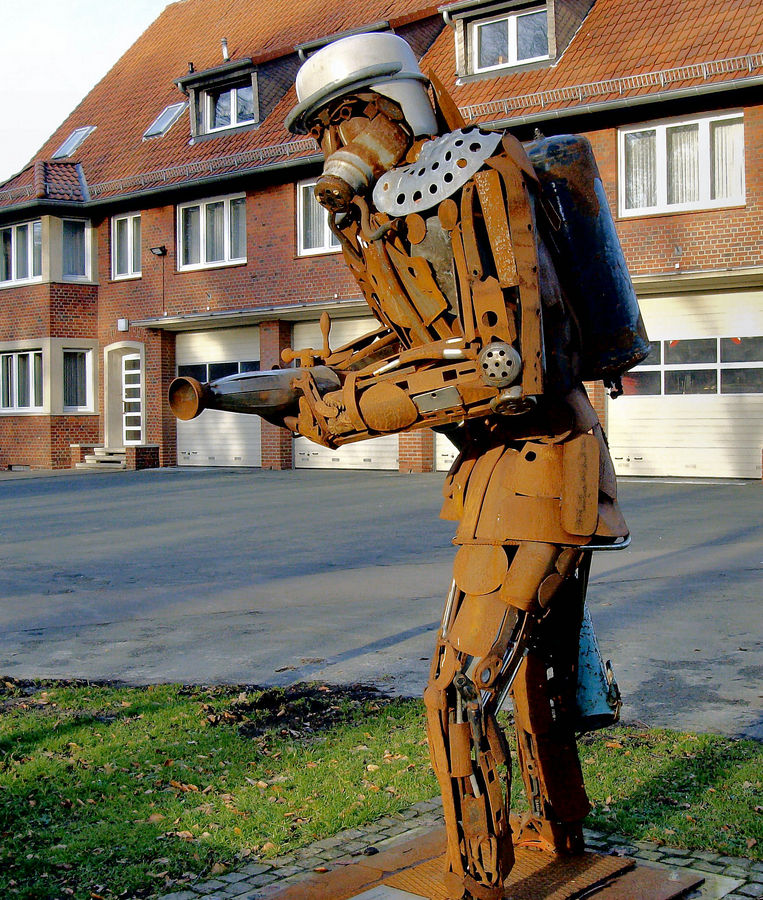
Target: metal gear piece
{"x":501,"y":364}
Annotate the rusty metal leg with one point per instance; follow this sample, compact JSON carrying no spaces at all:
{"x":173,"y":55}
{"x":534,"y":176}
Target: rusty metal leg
{"x":520,"y":635}
{"x":543,"y":695}
{"x":479,"y":650}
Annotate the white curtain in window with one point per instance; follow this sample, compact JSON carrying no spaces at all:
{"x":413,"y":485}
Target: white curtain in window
{"x":136,"y":244}
{"x":37,"y":249}
{"x":22,"y":251}
{"x":215,"y":231}
{"x":22,"y":381}
{"x":727,"y":159}
{"x":189,"y":223}
{"x":120,"y":238}
{"x":640,"y":169}
{"x":313,"y":219}
{"x":683,"y":163}
{"x":238,"y":229}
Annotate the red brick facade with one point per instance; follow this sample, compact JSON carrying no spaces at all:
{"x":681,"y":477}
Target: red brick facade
{"x":274,"y":274}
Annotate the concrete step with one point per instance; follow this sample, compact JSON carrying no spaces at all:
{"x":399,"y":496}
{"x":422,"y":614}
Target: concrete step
{"x":110,"y":461}
{"x":100,"y":466}
{"x":106,"y":452}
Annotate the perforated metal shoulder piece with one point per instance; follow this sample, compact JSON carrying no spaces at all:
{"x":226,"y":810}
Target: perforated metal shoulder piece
{"x":444,"y":165}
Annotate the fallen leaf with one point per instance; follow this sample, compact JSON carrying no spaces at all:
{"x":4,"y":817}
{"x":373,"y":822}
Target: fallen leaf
{"x":751,"y":842}
{"x":155,"y":817}
{"x":218,"y":869}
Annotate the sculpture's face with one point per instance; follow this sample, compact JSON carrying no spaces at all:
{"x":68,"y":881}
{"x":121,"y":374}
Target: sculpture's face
{"x":362,"y":136}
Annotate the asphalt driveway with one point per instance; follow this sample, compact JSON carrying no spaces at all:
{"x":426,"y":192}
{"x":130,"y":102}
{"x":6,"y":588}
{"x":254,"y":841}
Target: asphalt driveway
{"x":224,"y":575}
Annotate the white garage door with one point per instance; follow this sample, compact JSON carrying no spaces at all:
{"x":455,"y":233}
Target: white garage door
{"x":695,"y":407}
{"x":218,"y":438}
{"x":376,"y":453}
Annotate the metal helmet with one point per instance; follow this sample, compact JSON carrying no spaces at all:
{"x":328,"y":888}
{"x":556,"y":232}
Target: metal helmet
{"x":383,"y":63}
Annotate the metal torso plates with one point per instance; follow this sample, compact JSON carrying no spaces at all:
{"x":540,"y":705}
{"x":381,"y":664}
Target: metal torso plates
{"x":444,"y":165}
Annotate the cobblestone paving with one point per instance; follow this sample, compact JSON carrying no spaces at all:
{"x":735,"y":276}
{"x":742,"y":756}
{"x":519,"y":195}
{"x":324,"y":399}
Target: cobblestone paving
{"x":740,"y":879}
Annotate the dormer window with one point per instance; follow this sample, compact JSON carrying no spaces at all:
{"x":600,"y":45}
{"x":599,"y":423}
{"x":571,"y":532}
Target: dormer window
{"x":509,"y":40}
{"x":229,"y":107}
{"x":222,"y":99}
{"x":498,"y":37}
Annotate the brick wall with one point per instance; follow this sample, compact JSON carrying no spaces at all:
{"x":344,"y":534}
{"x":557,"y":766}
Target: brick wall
{"x":416,"y":451}
{"x":277,"y":442}
{"x":274,"y":275}
{"x":695,"y":240}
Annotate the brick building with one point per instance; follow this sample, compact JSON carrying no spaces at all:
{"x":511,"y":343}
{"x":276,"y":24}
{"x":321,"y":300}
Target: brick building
{"x":168,"y":225}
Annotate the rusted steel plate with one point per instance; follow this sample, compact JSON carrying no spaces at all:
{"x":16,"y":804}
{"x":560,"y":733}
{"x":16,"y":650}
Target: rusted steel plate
{"x":497,"y":224}
{"x":536,"y":876}
{"x":580,"y":485}
{"x":480,"y":569}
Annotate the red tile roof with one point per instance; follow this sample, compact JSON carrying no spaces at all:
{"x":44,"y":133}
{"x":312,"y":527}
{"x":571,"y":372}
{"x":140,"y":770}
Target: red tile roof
{"x":617,"y":40}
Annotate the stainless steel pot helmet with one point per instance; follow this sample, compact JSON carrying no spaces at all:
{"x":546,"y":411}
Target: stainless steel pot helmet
{"x":383,"y":63}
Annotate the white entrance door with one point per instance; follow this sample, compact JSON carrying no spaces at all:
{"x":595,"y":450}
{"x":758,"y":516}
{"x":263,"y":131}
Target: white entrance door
{"x":132,"y":400}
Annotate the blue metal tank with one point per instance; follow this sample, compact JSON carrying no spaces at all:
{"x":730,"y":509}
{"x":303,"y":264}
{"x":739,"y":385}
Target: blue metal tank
{"x":588,"y":256}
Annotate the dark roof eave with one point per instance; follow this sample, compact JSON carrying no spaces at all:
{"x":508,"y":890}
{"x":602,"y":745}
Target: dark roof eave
{"x":52,"y":206}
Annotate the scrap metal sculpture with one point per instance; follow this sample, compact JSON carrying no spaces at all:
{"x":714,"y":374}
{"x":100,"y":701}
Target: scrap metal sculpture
{"x":499,"y":284}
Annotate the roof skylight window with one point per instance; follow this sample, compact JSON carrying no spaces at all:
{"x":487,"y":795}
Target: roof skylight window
{"x":165,"y":120}
{"x":74,"y":140}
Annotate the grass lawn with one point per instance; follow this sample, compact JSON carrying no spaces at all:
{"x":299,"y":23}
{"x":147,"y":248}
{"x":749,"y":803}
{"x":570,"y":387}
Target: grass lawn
{"x":112,"y":791}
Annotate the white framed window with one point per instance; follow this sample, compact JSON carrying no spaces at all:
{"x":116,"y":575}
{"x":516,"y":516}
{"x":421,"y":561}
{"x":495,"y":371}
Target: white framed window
{"x":75,"y":249}
{"x":165,"y":120}
{"x":74,"y":141}
{"x":313,"y":233}
{"x":709,"y":365}
{"x":212,"y":232}
{"x":77,"y":380}
{"x":21,"y":253}
{"x":681,"y":164}
{"x":508,"y":40}
{"x":125,"y":246}
{"x":204,"y":372}
{"x":21,"y":381}
{"x":228,"y":107}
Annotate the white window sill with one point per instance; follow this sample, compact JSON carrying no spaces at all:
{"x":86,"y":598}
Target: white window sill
{"x":78,"y":411}
{"x":319,"y":251}
{"x":4,"y":285}
{"x":196,"y":267}
{"x":24,"y":412}
{"x":677,"y":209}
{"x":133,"y":277}
{"x":509,"y":65}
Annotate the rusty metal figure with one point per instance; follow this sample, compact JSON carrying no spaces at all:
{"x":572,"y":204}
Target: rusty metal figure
{"x":499,"y":284}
